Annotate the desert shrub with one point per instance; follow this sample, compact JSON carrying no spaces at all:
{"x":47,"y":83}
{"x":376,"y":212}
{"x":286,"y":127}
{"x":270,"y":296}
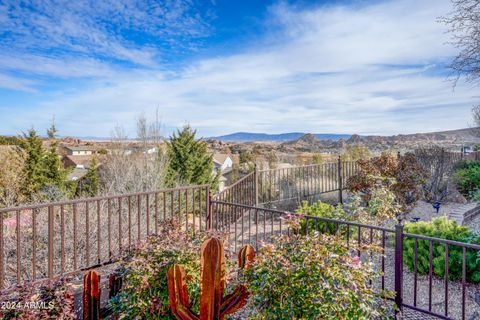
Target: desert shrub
{"x":380,"y":210}
{"x":313,"y":277}
{"x":320,"y":209}
{"x":145,"y":294}
{"x":445,"y":229}
{"x":403,"y":176}
{"x":467,"y":178}
{"x":48,"y":301}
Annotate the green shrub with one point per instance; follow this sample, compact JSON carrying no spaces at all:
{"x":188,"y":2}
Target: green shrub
{"x":320,"y":209}
{"x":444,"y":229}
{"x":467,"y":178}
{"x":145,"y":294}
{"x":380,"y":210}
{"x":476,"y":195}
{"x":313,"y":277}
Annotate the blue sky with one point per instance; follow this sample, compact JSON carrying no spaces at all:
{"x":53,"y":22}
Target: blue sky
{"x":367,"y":67}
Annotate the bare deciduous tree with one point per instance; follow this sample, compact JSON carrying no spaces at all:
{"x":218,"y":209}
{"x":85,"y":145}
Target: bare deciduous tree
{"x":125,"y":171}
{"x":476,"y":116}
{"x":464,"y":26}
{"x":439,"y":166}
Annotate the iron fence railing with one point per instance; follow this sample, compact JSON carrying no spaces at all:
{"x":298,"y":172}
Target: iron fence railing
{"x":243,"y":191}
{"x":256,"y":225}
{"x":267,"y":187}
{"x":297,"y":183}
{"x":304,"y":182}
{"x":64,"y":238}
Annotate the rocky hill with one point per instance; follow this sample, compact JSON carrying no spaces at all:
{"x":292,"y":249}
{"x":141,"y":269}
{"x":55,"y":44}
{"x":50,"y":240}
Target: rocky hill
{"x":453,"y":139}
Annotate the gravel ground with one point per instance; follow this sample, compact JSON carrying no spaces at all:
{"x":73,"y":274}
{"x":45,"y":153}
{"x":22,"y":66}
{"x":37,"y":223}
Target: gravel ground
{"x":242,"y":234}
{"x":438,"y":293}
{"x":425,"y":211}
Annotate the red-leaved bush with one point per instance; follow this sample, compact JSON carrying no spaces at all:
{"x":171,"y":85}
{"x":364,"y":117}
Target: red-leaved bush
{"x":403,"y":176}
{"x":53,"y":300}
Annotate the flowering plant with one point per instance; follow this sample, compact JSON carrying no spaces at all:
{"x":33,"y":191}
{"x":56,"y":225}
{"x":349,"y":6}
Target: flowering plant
{"x":313,"y":277}
{"x":144,"y":294}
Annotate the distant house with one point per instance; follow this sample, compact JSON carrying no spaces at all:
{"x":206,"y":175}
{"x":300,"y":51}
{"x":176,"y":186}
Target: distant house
{"x":224,"y":163}
{"x":80,"y":165}
{"x":80,"y":150}
{"x":142,"y":150}
{"x":77,"y":174}
{"x":77,"y":161}
{"x":133,"y":150}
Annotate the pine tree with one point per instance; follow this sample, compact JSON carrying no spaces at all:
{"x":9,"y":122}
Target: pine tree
{"x":55,"y":174}
{"x":52,"y":131}
{"x":190,"y":161}
{"x":34,"y":170}
{"x":43,"y":169}
{"x":88,"y":186}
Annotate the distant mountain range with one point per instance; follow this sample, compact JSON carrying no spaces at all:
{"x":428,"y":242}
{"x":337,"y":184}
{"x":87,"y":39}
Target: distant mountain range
{"x":290,"y":136}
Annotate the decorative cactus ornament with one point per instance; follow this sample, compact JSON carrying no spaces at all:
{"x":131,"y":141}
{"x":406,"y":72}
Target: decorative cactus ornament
{"x":91,"y":295}
{"x":213,"y":304}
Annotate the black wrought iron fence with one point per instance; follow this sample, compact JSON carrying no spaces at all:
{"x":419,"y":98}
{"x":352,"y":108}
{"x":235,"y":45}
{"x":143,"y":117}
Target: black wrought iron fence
{"x":442,"y":296}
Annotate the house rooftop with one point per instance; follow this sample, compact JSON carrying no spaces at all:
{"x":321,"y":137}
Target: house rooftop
{"x":75,"y":161}
{"x":220,"y":157}
{"x":81,"y":148}
{"x":77,"y":174}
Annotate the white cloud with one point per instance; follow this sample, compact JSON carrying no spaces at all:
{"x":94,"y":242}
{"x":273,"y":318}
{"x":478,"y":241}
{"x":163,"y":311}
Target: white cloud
{"x":348,"y":69}
{"x":100,"y":28}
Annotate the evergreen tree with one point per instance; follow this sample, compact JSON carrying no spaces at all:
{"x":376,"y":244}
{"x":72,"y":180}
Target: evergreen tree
{"x":52,"y":131}
{"x":55,"y":174}
{"x":43,"y":169}
{"x":190,"y":161}
{"x":88,"y":186}
{"x":34,"y":170}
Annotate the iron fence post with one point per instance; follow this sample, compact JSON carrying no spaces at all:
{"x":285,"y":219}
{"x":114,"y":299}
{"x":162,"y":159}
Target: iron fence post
{"x":50,"y":241}
{"x":209,"y":210}
{"x":398,"y":266}
{"x":340,"y":182}
{"x":255,"y":172}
